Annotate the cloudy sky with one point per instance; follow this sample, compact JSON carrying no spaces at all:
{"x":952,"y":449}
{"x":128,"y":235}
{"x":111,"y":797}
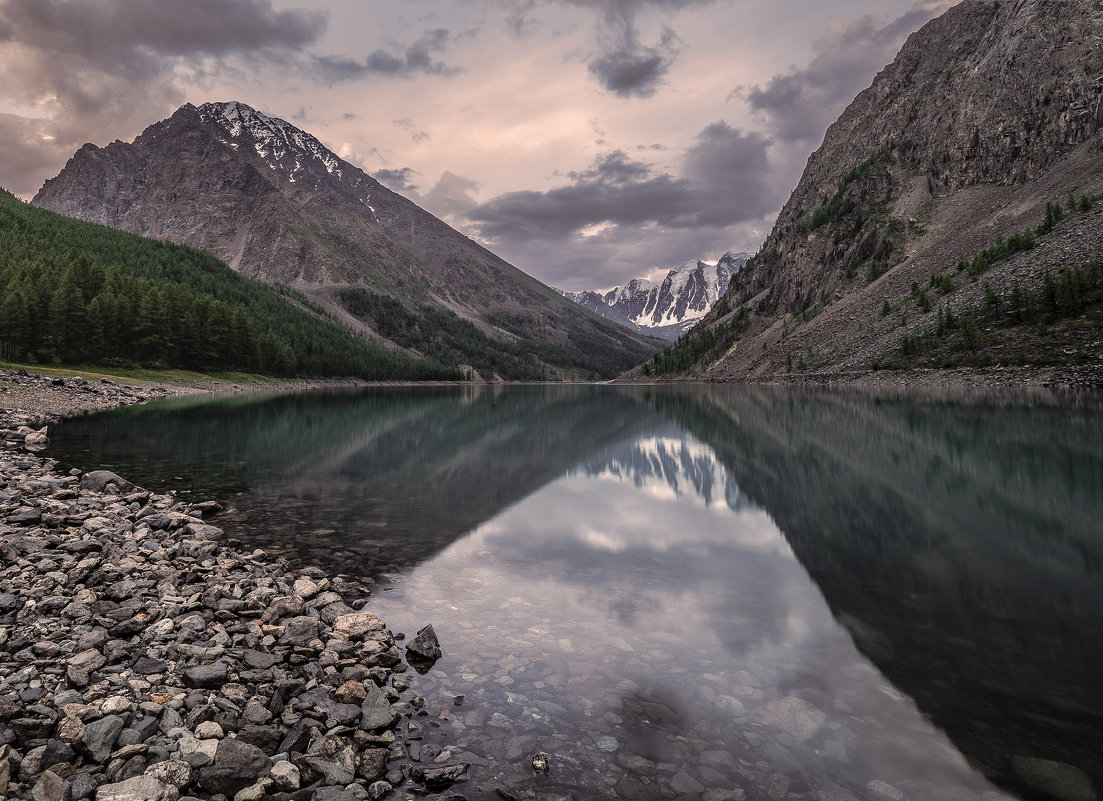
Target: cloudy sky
{"x":586,"y":141}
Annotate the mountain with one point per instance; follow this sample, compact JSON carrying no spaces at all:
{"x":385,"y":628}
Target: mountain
{"x":275,"y":204}
{"x":671,"y":308}
{"x":942,"y":215}
{"x":77,"y":293}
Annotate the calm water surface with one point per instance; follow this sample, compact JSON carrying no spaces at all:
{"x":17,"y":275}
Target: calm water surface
{"x":690,"y":593}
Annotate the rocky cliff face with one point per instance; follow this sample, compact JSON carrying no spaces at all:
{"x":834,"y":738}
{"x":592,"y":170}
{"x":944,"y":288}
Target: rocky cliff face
{"x":668,"y":309}
{"x":988,"y":113}
{"x":277,"y":205}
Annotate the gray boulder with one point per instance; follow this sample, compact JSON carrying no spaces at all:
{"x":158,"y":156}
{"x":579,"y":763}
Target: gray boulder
{"x":425,"y":645}
{"x":106,"y":481}
{"x":376,"y":710}
{"x":206,"y":676}
{"x":98,"y":737}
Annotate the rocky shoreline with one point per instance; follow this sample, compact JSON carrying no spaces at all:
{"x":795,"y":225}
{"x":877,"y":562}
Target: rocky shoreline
{"x":1034,"y":385}
{"x":144,"y":656}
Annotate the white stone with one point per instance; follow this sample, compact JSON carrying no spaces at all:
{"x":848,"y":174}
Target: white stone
{"x":731,"y":705}
{"x":209,"y":729}
{"x":116,"y":705}
{"x":305,"y":588}
{"x":285,"y":777}
{"x":254,"y":792}
{"x":140,"y":788}
{"x":792,"y":716}
{"x":171,"y":771}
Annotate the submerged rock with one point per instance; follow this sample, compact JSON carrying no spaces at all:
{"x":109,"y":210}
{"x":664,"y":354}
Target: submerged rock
{"x":437,"y":779}
{"x":424,"y":650}
{"x":790,"y":716}
{"x":1059,"y":779}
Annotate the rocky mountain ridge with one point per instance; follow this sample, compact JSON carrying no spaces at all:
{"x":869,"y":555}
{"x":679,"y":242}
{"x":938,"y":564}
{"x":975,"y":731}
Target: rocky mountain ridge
{"x":990,"y":115}
{"x":276,"y":204}
{"x":670,"y":308}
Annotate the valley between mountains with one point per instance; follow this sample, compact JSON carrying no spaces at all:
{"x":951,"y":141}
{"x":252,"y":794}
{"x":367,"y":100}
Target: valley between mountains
{"x":950,"y":219}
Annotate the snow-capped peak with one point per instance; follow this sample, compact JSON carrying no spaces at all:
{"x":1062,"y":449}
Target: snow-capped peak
{"x":281,"y":145}
{"x":669,"y":309}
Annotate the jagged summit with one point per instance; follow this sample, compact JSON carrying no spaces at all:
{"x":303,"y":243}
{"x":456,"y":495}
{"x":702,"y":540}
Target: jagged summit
{"x":284,"y":147}
{"x":672,"y":307}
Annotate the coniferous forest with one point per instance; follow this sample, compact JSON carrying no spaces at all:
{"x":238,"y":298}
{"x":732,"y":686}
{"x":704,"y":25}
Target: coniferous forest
{"x":73,"y":292}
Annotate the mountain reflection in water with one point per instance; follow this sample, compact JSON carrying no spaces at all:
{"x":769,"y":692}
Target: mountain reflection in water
{"x":623,"y":577}
{"x":962,"y":547}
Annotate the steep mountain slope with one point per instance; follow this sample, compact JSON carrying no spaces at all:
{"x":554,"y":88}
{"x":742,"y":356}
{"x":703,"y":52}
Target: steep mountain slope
{"x":277,"y":205}
{"x":77,"y":293}
{"x":990,"y":115}
{"x":671,"y":308}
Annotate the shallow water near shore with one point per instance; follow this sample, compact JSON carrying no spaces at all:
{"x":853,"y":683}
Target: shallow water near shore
{"x":695,"y":592}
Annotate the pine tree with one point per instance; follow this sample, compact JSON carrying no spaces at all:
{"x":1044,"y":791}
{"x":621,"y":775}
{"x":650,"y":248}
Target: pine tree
{"x":67,"y":337}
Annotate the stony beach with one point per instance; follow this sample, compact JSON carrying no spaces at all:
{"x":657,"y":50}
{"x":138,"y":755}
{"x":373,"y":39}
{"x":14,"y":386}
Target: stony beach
{"x":145,"y":657}
{"x":147,"y":654}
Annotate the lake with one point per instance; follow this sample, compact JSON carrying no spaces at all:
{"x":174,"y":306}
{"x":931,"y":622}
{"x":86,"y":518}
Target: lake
{"x":689,"y":592}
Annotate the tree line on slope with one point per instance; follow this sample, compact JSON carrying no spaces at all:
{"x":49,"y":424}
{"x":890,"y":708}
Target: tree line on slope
{"x":73,"y":292}
{"x":965,"y":335}
{"x":529,"y":355}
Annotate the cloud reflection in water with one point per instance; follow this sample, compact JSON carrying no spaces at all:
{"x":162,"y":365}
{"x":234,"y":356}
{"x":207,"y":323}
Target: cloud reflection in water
{"x":643,"y":597}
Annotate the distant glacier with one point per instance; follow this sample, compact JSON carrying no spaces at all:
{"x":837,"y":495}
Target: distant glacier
{"x":668,"y":309}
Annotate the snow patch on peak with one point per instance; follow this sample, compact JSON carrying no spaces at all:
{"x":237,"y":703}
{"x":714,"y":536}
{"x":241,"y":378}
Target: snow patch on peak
{"x":635,"y":286}
{"x":686,"y":294}
{"x":282,"y":146}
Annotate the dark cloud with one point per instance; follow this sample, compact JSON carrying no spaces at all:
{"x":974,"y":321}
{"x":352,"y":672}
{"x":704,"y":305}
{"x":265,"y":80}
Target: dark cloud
{"x":623,"y":64}
{"x":92,"y":70}
{"x":614,"y":190}
{"x":800,"y":104}
{"x":417,"y":59}
{"x":117,"y":32}
{"x":398,"y":180}
{"x":450,"y":198}
{"x":723,"y":182}
{"x":633,"y":70}
{"x":622,"y":217}
{"x":731,"y":175}
{"x":615,"y":10}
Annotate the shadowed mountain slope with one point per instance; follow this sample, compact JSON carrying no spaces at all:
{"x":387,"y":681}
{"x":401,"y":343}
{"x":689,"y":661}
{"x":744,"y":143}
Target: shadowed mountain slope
{"x":986,"y":128}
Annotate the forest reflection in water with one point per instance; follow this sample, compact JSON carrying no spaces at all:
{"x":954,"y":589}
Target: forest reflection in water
{"x":619,"y":563}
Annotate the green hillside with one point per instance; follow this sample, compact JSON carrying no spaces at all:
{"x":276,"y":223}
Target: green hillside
{"x":73,"y":292}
